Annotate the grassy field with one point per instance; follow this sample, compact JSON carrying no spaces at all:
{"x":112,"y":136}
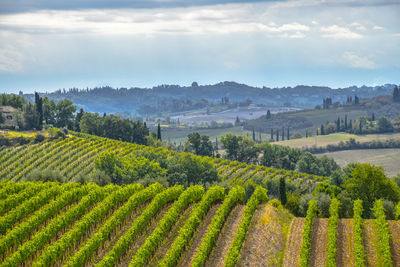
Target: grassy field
{"x":387,"y":158}
{"x":179,"y":135}
{"x":332,"y":139}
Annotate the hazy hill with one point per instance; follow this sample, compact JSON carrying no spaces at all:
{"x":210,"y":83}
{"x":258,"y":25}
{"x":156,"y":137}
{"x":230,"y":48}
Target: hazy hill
{"x":175,"y":98}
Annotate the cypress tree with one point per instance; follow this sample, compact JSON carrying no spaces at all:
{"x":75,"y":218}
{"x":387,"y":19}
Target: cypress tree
{"x":322,"y":130}
{"x":373,"y":116}
{"x":272,"y":134}
{"x":351,"y":125}
{"x":268,"y":114}
{"x":345,"y":122}
{"x":288,"y":135}
{"x":283,"y":134}
{"x":159,"y":132}
{"x":277,"y":135}
{"x":282,"y":190}
{"x":254,"y":135}
{"x":39,"y":109}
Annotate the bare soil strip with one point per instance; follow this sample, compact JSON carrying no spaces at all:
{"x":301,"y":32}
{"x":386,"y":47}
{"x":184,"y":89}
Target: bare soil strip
{"x":170,"y":237}
{"x":345,"y":243}
{"x":370,"y":241}
{"x":319,"y":243}
{"x":265,"y":241}
{"x":394,"y":227}
{"x":125,"y":259}
{"x":198,"y":236}
{"x":225,"y":237}
{"x":293,"y":246}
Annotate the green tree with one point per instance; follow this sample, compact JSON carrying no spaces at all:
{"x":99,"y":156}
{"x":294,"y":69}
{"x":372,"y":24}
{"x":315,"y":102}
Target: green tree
{"x":159,"y":132}
{"x":49,"y":111}
{"x":90,"y":123}
{"x":282,"y":190}
{"x":78,"y":118}
{"x":65,"y":110}
{"x":39,"y":109}
{"x":369,"y":183}
{"x":231,"y":144}
{"x":2,"y":119}
{"x":384,"y":125}
{"x":31,"y":116}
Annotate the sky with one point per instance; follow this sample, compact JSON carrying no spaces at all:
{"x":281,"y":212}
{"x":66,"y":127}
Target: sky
{"x":46,"y":45}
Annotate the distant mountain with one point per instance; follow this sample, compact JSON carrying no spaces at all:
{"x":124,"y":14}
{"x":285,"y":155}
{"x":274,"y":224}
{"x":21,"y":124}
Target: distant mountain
{"x":175,"y":98}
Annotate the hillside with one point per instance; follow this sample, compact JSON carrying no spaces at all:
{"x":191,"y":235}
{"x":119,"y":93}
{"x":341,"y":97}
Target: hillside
{"x":150,"y":101}
{"x":86,"y":225}
{"x":74,"y":157}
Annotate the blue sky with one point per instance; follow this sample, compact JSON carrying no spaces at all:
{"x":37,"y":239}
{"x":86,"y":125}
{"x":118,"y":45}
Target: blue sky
{"x":47,"y":44}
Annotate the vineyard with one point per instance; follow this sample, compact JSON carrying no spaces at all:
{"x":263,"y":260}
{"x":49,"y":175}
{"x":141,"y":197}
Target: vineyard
{"x":74,"y":157}
{"x":71,"y":224}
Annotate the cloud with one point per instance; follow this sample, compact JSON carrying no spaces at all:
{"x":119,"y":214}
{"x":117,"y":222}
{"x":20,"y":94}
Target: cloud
{"x":337,"y":32}
{"x":217,"y":20}
{"x":358,"y":26}
{"x":377,"y":28}
{"x":10,"y":61}
{"x":355,"y":61}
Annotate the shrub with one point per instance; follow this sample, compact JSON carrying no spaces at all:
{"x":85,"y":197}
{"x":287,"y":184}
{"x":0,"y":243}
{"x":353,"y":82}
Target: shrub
{"x":332,"y":233}
{"x":383,"y":234}
{"x":359,"y":252}
{"x":308,"y":224}
{"x":45,"y":176}
{"x":39,"y":138}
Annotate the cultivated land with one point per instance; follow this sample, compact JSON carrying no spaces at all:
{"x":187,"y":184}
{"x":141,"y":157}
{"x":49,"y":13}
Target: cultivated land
{"x":83,"y":225}
{"x":72,"y":224}
{"x":387,"y":158}
{"x":334,"y":139}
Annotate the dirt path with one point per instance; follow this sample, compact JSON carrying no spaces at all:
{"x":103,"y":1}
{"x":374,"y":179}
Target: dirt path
{"x":225,"y":237}
{"x":345,"y":243}
{"x":265,"y":241}
{"x":126,"y":258}
{"x":198,"y":236}
{"x":170,"y":237}
{"x":319,"y":243}
{"x":370,"y":241}
{"x":394,"y":227}
{"x":293,"y":246}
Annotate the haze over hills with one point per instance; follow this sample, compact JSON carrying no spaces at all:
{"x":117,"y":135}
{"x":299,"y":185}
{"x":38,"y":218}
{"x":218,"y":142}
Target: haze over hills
{"x":176,"y":98}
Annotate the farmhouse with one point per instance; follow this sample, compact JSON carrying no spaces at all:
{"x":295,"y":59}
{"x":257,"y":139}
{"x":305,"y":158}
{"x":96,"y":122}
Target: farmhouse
{"x":10,"y":116}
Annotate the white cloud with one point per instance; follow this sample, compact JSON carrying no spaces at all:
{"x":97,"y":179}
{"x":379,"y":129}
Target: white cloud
{"x":337,"y":32}
{"x":10,"y":61}
{"x":358,"y":26}
{"x":355,"y":61}
{"x":377,"y":28}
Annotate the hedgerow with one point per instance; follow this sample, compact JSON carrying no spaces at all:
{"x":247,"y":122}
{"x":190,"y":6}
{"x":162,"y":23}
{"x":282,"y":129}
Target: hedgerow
{"x":236,"y":194}
{"x":308,"y":224}
{"x":383,"y":233}
{"x":259,"y":195}
{"x":332,"y":232}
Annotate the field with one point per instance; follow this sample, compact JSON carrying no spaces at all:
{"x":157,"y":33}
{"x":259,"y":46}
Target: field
{"x":87,"y":225}
{"x":387,"y":158}
{"x":334,"y":139}
{"x":74,"y":158}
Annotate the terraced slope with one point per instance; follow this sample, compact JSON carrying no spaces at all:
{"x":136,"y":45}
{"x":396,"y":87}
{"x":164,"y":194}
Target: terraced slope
{"x":72,"y":224}
{"x":74,"y":157}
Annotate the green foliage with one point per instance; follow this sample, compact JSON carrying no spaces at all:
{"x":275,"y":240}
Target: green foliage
{"x":259,"y":195}
{"x":282,"y":190}
{"x":199,"y":144}
{"x":332,"y":233}
{"x":139,"y":223}
{"x":85,"y":252}
{"x":45,"y":176}
{"x":65,"y":110}
{"x":293,"y":203}
{"x":190,"y":195}
{"x":236,"y":194}
{"x":369,"y":183}
{"x":240,"y":148}
{"x":383,"y":233}
{"x":12,"y":100}
{"x":358,"y":226}
{"x":186,"y":232}
{"x":53,"y":252}
{"x":397,"y":212}
{"x":384,"y":125}
{"x":39,"y":239}
{"x":308,"y":224}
